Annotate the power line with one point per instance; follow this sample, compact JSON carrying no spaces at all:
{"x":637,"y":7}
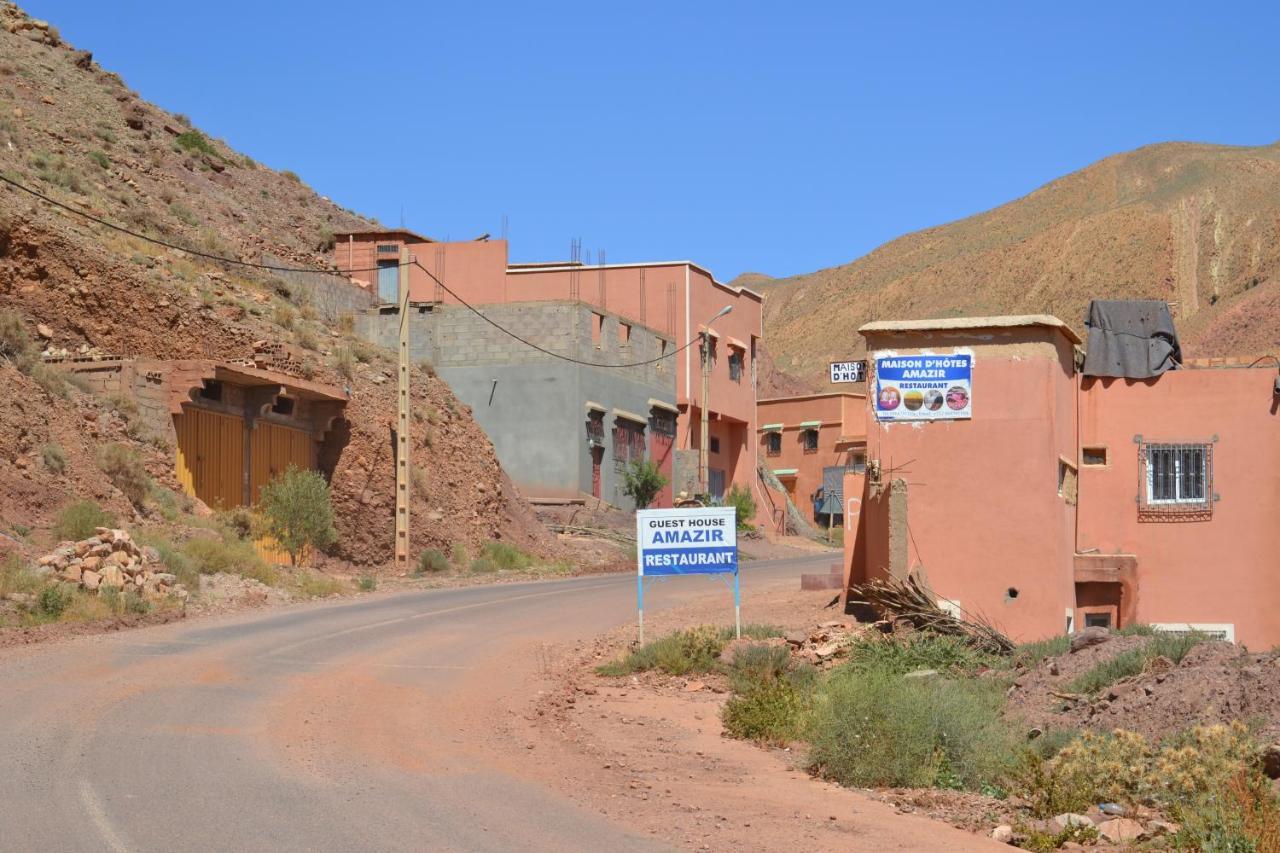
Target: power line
{"x":206,"y":255}
{"x":274,"y":268}
{"x":541,"y":349}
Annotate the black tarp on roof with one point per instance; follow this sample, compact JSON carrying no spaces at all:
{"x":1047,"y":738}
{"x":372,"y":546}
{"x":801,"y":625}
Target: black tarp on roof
{"x":1133,"y":338}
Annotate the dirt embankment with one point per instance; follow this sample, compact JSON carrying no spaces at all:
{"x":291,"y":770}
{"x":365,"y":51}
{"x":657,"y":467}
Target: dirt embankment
{"x":76,"y":133}
{"x":1216,"y":682}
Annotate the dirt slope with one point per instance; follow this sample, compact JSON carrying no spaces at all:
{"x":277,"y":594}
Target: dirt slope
{"x":1190,"y":223}
{"x":76,"y":133}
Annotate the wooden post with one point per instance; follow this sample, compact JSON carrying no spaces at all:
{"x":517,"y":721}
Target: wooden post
{"x":402,"y":420}
{"x":703,"y":477}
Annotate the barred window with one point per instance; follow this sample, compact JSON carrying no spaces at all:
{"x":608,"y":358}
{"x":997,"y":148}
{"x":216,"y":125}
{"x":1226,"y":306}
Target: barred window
{"x":735,"y":364}
{"x":773,"y":443}
{"x":628,"y":441}
{"x":810,"y":438}
{"x":1177,"y":473}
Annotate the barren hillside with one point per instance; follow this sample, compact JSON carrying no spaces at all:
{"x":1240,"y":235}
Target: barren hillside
{"x":1193,"y":224}
{"x":78,"y":134}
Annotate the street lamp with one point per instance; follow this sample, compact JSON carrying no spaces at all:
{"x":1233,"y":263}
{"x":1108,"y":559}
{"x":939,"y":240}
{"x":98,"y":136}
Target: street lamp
{"x":703,"y":485}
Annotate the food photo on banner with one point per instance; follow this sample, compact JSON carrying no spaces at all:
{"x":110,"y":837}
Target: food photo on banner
{"x":924,"y":387}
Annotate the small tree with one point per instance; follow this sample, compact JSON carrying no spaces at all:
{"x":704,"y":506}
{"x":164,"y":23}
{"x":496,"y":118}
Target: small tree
{"x":642,"y":481}
{"x":741,"y":500}
{"x":297,"y":513}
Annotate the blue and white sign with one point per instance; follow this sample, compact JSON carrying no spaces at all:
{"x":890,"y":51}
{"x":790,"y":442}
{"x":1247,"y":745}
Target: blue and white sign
{"x":924,"y":387}
{"x":687,"y":541}
{"x":697,"y":541}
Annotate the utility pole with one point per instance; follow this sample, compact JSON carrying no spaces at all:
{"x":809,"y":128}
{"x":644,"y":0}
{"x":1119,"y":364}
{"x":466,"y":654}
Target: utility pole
{"x":704,"y":485}
{"x":402,"y":421}
{"x":702,"y":445}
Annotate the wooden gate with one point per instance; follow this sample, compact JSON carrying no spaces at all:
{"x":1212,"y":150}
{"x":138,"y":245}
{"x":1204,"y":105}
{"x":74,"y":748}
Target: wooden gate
{"x":274,"y":449}
{"x":211,"y":456}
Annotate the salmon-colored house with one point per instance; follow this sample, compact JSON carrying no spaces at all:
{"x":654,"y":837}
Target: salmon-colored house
{"x":808,"y":442}
{"x":676,"y":299}
{"x":1048,"y":498}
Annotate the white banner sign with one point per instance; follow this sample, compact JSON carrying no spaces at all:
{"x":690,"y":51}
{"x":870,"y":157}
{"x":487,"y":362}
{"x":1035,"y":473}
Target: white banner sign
{"x":848,"y":371}
{"x":924,"y":387}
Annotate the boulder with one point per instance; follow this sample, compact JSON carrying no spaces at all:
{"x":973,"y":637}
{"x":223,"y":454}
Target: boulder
{"x":90,"y":580}
{"x":1003,"y":834}
{"x":1121,"y":830}
{"x":1163,"y":827}
{"x":1089,"y":637}
{"x":112,"y":576}
{"x":91,"y":563}
{"x":1067,"y":819}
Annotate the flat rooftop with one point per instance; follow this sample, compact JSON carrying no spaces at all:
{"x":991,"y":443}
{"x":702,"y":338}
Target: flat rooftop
{"x":1005,"y":321}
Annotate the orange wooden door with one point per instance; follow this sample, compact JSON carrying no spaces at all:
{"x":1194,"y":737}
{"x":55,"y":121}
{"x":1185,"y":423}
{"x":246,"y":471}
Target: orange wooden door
{"x":275,"y":448}
{"x":210,"y":460}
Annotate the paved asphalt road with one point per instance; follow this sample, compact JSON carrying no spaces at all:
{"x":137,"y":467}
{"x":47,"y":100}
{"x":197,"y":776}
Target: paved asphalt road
{"x":328,"y":728}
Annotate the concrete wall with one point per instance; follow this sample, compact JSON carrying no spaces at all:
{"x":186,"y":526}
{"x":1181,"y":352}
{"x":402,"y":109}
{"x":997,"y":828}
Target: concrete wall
{"x":533,"y":406}
{"x":332,"y":296}
{"x":383,"y":329}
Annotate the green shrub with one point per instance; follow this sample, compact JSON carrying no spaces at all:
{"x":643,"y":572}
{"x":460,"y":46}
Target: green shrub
{"x":174,"y":560}
{"x":184,"y":214}
{"x":483,"y":565}
{"x":101,"y":159}
{"x":316,"y":585}
{"x":77,"y":521}
{"x":306,"y":338}
{"x":458,"y":555}
{"x":16,"y":577}
{"x":1030,"y":654}
{"x":1243,"y":818}
{"x":641,"y":481}
{"x":367,"y":583}
{"x":209,"y":555}
{"x":240,"y":521}
{"x":54,"y":599}
{"x":296,"y":512}
{"x":757,"y":664}
{"x":770,"y":713}
{"x":124,"y":468}
{"x":292,"y":176}
{"x":916,"y":651}
{"x":740,"y":499}
{"x":432,"y":562}
{"x":194,"y":140}
{"x":54,"y":458}
{"x":171,"y":504}
{"x":345,"y":362}
{"x":678,"y":653}
{"x":873,"y":728}
{"x":506,"y":557}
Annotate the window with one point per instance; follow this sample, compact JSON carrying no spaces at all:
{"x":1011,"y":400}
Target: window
{"x":809,"y":438}
{"x":212,"y":390}
{"x":714,"y":444}
{"x":1177,"y":474}
{"x":1097,"y":620}
{"x":388,"y":250}
{"x":597,"y":329}
{"x":624,"y":333}
{"x":628,"y":441}
{"x":595,"y":428}
{"x":735,"y":364}
{"x":773,"y":443}
{"x":1093,"y":456}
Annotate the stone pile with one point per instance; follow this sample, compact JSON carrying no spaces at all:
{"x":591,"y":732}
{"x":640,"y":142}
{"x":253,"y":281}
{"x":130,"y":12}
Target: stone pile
{"x":824,"y":645}
{"x":112,"y":560}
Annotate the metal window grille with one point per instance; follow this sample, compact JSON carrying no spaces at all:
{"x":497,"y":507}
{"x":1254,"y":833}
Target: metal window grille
{"x":735,"y":365}
{"x":773,"y":443}
{"x":1176,"y":481}
{"x":388,"y":250}
{"x":595,"y":428}
{"x":810,"y":438}
{"x":628,"y":442}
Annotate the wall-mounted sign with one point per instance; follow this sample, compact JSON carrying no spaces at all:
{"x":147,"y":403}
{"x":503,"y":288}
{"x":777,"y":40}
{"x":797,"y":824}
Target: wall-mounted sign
{"x":848,"y":371}
{"x":924,"y":387}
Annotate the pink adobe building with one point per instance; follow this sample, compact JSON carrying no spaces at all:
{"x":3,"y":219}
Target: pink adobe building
{"x":1066,"y":500}
{"x":808,"y":442}
{"x":674,"y":298}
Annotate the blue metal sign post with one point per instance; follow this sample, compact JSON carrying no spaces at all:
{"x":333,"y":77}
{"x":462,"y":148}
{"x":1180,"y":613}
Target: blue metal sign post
{"x":694,"y":541}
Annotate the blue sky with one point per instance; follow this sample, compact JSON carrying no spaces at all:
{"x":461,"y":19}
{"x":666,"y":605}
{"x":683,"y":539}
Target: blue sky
{"x":779,"y":138}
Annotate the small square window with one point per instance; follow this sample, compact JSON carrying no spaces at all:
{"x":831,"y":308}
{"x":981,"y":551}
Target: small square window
{"x":736,"y":357}
{"x":810,"y":439}
{"x":715,"y":444}
{"x":1097,"y":620}
{"x":1093,"y":456}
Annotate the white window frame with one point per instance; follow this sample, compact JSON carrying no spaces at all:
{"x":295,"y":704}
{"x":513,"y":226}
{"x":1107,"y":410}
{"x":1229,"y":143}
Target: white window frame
{"x":1179,"y":452}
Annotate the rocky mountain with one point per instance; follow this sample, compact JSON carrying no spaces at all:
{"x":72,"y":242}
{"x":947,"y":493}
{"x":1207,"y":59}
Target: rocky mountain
{"x":77,"y":134}
{"x":1197,"y":225}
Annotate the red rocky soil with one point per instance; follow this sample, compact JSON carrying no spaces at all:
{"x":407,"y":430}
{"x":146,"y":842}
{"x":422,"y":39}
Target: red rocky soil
{"x":91,"y":287}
